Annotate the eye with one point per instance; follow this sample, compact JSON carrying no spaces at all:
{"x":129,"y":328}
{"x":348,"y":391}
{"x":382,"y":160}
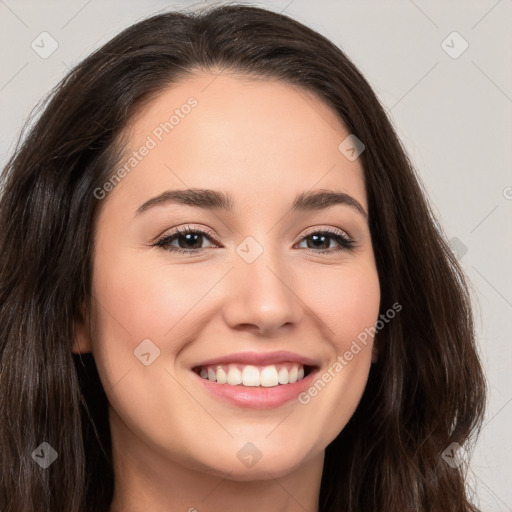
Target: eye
{"x":190,"y":241}
{"x":320,"y":241}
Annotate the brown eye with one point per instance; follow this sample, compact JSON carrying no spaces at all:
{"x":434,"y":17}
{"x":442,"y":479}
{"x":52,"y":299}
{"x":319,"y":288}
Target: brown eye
{"x":189,"y":240}
{"x":320,"y":241}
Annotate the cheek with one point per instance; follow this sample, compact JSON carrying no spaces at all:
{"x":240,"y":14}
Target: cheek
{"x":346,"y":300}
{"x":346,"y":303}
{"x":146,"y":299}
{"x":131,"y":307}
{"x":142,"y":308}
{"x":141,"y":298}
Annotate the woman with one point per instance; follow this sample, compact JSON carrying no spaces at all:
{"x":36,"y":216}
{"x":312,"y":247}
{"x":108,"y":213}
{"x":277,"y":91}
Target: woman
{"x":317,"y":354}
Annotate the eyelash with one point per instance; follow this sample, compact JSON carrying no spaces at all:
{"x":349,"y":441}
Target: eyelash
{"x":346,"y":243}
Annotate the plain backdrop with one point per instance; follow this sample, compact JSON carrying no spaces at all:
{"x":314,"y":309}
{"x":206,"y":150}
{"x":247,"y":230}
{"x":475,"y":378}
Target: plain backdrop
{"x":443,"y":71}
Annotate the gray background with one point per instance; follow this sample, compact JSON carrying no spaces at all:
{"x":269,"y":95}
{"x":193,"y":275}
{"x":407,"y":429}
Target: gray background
{"x":452,"y":114}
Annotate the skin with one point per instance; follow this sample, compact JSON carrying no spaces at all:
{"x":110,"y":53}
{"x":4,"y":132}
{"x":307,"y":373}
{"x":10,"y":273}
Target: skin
{"x":174,"y":444}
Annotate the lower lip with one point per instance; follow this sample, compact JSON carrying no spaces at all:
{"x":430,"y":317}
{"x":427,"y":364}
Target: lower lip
{"x":258,"y":397}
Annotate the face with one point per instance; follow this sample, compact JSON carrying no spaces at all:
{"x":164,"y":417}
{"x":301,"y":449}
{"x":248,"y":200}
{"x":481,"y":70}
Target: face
{"x":262,"y":290}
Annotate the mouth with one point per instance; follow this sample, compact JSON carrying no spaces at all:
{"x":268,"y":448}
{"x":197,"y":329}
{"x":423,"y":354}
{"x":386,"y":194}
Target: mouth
{"x":248,"y":375}
{"x":255,"y":386}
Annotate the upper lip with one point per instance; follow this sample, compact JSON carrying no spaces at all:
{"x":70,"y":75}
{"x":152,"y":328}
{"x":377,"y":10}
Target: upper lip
{"x":259,"y":358}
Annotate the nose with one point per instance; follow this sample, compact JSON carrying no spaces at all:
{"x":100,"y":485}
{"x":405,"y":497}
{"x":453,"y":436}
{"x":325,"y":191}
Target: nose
{"x":262,"y":297}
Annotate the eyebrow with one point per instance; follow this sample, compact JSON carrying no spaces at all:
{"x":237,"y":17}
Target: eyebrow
{"x":211,"y":200}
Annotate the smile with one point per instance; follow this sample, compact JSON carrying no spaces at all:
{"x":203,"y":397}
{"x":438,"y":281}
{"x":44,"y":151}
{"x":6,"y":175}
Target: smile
{"x":238,"y":374}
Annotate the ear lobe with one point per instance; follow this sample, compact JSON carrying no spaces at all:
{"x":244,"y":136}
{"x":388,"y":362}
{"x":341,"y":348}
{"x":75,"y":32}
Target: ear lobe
{"x":82,"y":337}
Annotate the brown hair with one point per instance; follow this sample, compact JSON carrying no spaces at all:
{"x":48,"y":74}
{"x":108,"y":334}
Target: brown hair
{"x":425,"y":392}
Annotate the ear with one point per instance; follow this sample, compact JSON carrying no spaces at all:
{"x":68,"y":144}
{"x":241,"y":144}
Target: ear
{"x":82,"y":333}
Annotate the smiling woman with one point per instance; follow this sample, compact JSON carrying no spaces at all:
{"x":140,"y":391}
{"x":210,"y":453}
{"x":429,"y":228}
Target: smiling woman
{"x":222,"y":287}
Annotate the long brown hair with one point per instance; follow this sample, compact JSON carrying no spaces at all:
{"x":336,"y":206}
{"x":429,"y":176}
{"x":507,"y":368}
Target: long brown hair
{"x":425,"y":392}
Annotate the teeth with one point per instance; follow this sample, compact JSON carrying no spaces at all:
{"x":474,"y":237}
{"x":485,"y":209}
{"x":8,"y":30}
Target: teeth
{"x":254,"y":376}
{"x":251,"y":376}
{"x":292,"y":376}
{"x":282,"y":375}
{"x":222,"y":376}
{"x":269,"y":377}
{"x":234,"y":376}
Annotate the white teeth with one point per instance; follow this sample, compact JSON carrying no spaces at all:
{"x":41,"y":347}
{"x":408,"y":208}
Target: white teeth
{"x":269,"y":377}
{"x":222,"y":376}
{"x":283,"y":375}
{"x":254,"y":376}
{"x":251,"y":376}
{"x":234,"y":376}
{"x":292,"y":376}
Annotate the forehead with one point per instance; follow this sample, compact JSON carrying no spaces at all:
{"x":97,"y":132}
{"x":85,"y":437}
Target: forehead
{"x":252,"y":135}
